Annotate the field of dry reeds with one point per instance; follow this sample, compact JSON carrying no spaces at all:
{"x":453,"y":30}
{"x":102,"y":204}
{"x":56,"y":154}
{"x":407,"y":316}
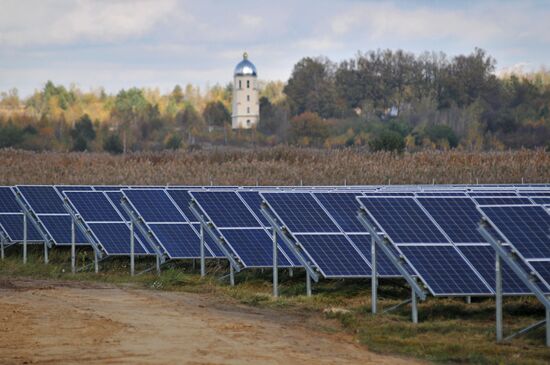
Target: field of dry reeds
{"x":274,"y":166}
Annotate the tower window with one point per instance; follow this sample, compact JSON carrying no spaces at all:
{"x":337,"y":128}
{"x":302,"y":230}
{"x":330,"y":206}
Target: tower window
{"x":248,"y":98}
{"x":248,"y":84}
{"x":248,"y":110}
{"x":248,"y":122}
{"x":240,"y":86}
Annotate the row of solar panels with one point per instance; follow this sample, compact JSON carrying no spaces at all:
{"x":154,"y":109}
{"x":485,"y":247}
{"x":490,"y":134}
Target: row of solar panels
{"x":433,"y":228}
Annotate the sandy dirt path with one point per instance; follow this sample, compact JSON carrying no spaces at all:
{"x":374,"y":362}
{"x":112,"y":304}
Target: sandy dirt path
{"x":49,"y":322}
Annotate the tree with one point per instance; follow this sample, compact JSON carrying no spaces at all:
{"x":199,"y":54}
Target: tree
{"x":82,"y":133}
{"x":173,"y":142}
{"x":311,"y":88}
{"x":177,"y":94}
{"x":388,"y":140}
{"x":308,"y":129}
{"x":113,"y":144}
{"x":216,"y":114}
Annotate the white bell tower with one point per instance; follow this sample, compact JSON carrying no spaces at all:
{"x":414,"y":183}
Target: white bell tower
{"x":246,"y":105}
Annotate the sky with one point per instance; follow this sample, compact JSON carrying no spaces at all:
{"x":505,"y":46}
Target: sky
{"x":161,"y":43}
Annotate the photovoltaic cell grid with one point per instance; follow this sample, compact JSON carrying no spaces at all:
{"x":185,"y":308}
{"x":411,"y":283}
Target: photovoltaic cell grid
{"x":500,"y":200}
{"x":11,"y":219}
{"x":431,"y":255}
{"x":165,"y":221}
{"x":46,"y":202}
{"x":527,"y":229}
{"x":329,"y":248}
{"x":104,"y":222}
{"x":243,"y":232}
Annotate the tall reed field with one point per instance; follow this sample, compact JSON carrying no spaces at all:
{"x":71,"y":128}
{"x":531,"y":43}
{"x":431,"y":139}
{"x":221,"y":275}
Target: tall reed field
{"x":274,"y":166}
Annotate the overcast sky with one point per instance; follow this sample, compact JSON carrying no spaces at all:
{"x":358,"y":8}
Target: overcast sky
{"x":120,"y":44}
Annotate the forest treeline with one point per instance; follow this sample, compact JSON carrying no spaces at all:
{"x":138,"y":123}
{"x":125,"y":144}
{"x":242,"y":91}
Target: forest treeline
{"x":380,"y":100}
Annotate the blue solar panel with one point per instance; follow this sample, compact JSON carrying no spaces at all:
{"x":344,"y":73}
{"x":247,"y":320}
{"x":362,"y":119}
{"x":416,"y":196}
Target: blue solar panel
{"x":43,"y":199}
{"x":441,"y":193}
{"x":8,"y":203}
{"x":543,"y":200}
{"x":444,"y":270}
{"x":388,"y":193}
{"x":254,"y":201}
{"x":403,"y":220}
{"x":534,"y":193}
{"x":61,"y":188}
{"x":59,"y":227}
{"x":492,"y":193}
{"x":182,"y":200}
{"x":383,"y":264}
{"x":343,"y":207}
{"x":300,"y":212}
{"x":13,"y":226}
{"x":526,"y":227}
{"x":543,"y":269}
{"x":179,"y":239}
{"x":109,"y":187}
{"x":501,"y":200}
{"x":458,"y":217}
{"x":115,"y":238}
{"x":225,"y":209}
{"x":93,"y":206}
{"x":254,"y":246}
{"x":334,"y":255}
{"x":154,"y":205}
{"x":482,"y":259}
{"x":115,"y":197}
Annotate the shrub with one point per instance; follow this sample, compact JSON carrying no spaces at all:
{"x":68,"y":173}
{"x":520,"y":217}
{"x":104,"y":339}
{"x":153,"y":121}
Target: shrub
{"x":388,"y":141}
{"x":113,"y":144}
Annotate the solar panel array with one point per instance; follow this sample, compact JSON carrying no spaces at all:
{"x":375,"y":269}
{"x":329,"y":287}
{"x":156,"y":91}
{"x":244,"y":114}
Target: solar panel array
{"x":434,"y":228}
{"x":167,"y":223}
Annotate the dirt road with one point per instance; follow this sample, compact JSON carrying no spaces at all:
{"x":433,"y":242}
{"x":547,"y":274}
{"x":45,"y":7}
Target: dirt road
{"x":72,"y":322}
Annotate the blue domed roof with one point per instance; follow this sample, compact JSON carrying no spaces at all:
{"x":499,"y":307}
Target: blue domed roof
{"x":245,"y":67}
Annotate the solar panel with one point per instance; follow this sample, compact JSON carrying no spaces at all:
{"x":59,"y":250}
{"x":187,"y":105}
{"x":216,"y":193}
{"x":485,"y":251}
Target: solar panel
{"x":42,"y":199}
{"x":403,"y":220}
{"x":300,"y":212}
{"x":501,"y":200}
{"x":534,"y":193}
{"x":226,"y":209}
{"x":254,"y":246}
{"x":59,"y":228}
{"x":334,"y":255}
{"x":8,"y":203}
{"x":254,"y":201}
{"x":526,"y":227}
{"x":543,"y":200}
{"x":93,"y":206}
{"x":444,"y":270}
{"x":115,"y":238}
{"x":483,"y":260}
{"x":492,"y":193}
{"x":182,"y":200}
{"x":171,"y":230}
{"x":440,"y":193}
{"x":12,"y":224}
{"x":458,"y":217}
{"x":384,"y":266}
{"x":343,"y":208}
{"x":115,"y":197}
{"x":388,"y":193}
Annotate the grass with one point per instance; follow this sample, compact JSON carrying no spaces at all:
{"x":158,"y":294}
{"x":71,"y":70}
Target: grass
{"x":449,"y":329}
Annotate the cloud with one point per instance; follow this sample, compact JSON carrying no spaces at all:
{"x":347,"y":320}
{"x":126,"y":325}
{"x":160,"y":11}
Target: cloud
{"x":57,"y":22}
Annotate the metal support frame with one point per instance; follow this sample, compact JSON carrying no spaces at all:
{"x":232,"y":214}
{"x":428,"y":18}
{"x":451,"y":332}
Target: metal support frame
{"x":275,"y":266}
{"x":231,"y":275}
{"x":73,"y":246}
{"x":25,"y":233}
{"x":137,"y":221}
{"x":207,"y":227}
{"x":292,"y":246}
{"x":96,"y":262}
{"x":203,"y":260}
{"x":290,"y":272}
{"x":510,"y":258}
{"x":308,"y":284}
{"x":132,"y":254}
{"x":374,"y":278}
{"x":45,"y":253}
{"x":29,"y":214}
{"x":384,"y":244}
{"x":468,"y":299}
{"x":2,"y":241}
{"x":398,"y":305}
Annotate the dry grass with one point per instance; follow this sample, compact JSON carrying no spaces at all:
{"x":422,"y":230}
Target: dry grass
{"x":274,"y":166}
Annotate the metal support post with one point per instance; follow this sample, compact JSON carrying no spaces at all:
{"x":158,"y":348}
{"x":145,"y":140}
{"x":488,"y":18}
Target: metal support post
{"x":158,"y":265}
{"x":374,"y":278}
{"x":468,"y":300}
{"x":231,"y":275}
{"x":498,"y":298}
{"x":132,"y":256}
{"x":24,"y":238}
{"x":290,"y":272}
{"x":547,"y":328}
{"x":96,"y":262}
{"x":45,"y":252}
{"x":308,"y":284}
{"x":414,"y":307}
{"x":203,"y":268}
{"x":275,"y":267}
{"x":194,"y":263}
{"x":73,"y":246}
{"x":2,"y":248}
